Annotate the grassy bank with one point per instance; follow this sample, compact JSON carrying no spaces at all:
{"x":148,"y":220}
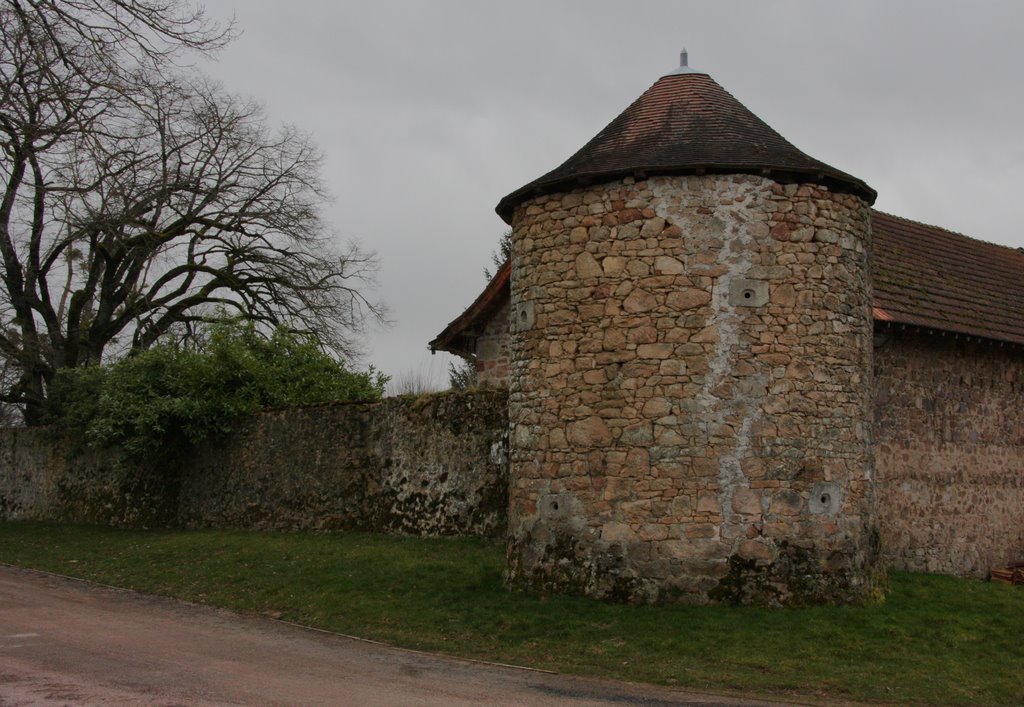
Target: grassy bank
{"x":935,"y":640}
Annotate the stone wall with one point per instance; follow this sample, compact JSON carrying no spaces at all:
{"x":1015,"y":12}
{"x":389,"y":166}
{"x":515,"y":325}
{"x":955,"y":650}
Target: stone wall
{"x":44,"y":476}
{"x":690,"y":392}
{"x":492,"y":351}
{"x":434,"y":465}
{"x":949,"y":452}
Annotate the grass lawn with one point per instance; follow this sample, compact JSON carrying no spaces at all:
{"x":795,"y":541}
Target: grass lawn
{"x":935,"y":640}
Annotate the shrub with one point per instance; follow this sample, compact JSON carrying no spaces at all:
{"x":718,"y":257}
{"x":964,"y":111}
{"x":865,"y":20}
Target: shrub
{"x":153,"y":399}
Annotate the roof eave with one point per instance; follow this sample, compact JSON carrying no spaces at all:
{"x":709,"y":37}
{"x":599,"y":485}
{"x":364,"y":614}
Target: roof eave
{"x":454,"y":339}
{"x":834,"y":179}
{"x":889,"y":317}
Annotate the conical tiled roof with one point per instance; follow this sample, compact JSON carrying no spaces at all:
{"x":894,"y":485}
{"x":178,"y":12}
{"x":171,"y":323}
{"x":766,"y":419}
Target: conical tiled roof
{"x":686,"y":124}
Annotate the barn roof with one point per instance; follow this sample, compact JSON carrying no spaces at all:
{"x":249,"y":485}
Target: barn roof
{"x":934,"y":278}
{"x":685,"y":124}
{"x":924,"y":276}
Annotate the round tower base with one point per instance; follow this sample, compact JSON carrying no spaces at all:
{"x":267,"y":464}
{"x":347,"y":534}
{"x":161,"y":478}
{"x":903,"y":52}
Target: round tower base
{"x":796,"y":575}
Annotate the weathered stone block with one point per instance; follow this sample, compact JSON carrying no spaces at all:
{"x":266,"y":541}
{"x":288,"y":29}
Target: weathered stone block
{"x":708,"y":503}
{"x":655,"y":351}
{"x":587,"y":266}
{"x":786,"y":503}
{"x":667,"y":265}
{"x":639,"y":434}
{"x":591,"y":432}
{"x":746,"y":501}
{"x":613,"y":265}
{"x":639,"y":301}
{"x":687,"y":299}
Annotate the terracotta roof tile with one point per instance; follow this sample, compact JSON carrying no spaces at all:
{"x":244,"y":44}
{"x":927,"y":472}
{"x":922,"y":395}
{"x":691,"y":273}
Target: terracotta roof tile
{"x":685,"y":124}
{"x":931,"y":277}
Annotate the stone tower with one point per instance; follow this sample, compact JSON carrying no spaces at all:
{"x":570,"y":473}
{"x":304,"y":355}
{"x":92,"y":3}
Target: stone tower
{"x":691,"y":355}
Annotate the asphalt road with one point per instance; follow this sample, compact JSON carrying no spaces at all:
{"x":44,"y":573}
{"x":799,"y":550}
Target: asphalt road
{"x":65,"y":641}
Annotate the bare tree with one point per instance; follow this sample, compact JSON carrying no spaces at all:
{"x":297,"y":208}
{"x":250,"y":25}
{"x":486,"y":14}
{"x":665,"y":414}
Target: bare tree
{"x":139,"y":200}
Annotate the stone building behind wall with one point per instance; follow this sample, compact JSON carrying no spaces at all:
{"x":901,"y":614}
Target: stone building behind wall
{"x":707,"y":400}
{"x":949,"y":398}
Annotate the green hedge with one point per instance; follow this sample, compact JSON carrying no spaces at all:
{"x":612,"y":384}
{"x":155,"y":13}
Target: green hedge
{"x":168,"y":394}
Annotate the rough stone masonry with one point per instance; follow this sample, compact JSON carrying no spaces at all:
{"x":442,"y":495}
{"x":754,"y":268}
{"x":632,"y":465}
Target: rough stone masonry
{"x":428,"y":465}
{"x":690,"y":392}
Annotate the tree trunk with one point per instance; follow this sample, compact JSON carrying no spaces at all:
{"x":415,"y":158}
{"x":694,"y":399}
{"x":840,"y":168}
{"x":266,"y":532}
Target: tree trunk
{"x":35,"y":408}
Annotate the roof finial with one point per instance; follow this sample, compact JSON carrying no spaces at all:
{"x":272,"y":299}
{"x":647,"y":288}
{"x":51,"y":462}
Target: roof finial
{"x":684,"y":65}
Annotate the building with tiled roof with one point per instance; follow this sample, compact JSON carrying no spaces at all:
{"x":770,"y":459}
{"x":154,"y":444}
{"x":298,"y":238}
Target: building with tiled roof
{"x":729,"y":376}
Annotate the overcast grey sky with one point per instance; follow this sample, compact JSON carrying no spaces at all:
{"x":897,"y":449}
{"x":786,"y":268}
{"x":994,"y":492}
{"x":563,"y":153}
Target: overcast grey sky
{"x":430,"y":112}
